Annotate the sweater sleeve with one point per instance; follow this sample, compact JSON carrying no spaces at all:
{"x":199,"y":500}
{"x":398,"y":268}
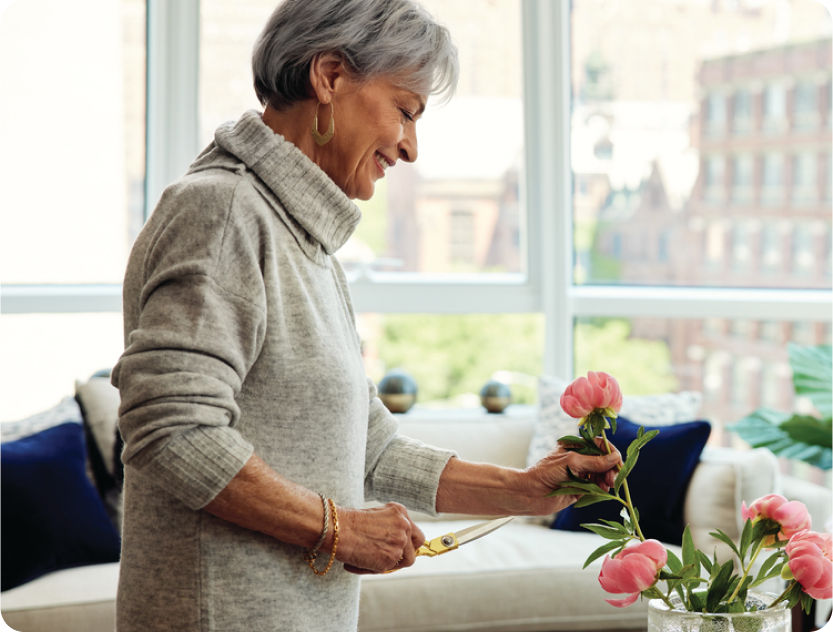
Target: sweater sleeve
{"x":195,"y":334}
{"x":399,"y":468}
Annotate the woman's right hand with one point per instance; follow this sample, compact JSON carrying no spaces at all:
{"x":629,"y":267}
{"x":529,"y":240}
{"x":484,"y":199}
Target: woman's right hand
{"x":377,"y":540}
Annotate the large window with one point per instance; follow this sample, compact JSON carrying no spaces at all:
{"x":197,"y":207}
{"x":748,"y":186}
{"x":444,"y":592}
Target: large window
{"x":72,"y":124}
{"x":606,"y":190}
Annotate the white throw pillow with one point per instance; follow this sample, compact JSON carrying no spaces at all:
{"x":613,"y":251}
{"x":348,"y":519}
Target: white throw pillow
{"x":648,"y":410}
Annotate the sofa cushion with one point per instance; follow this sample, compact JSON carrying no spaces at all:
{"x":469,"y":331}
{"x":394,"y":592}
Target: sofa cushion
{"x":52,"y":515}
{"x":79,"y":599}
{"x":649,"y":410}
{"x":520,"y":577}
{"x":657,"y":483}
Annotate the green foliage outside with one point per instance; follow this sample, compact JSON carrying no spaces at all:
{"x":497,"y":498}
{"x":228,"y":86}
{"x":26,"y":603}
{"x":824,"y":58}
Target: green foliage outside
{"x":450,"y":355}
{"x":642,"y":367}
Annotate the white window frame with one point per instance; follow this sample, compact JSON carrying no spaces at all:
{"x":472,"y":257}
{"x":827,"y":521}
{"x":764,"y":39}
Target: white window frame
{"x":172,"y":142}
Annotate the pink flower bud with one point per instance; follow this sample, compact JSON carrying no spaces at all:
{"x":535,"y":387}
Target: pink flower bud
{"x":792,"y":515}
{"x":811,"y":563}
{"x":597,"y":391}
{"x":634,"y":569}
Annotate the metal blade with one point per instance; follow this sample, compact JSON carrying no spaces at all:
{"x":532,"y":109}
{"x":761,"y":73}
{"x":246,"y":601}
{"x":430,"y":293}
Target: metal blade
{"x":469,"y":534}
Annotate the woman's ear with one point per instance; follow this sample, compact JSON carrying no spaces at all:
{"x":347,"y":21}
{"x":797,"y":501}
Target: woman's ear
{"x":326,"y":72}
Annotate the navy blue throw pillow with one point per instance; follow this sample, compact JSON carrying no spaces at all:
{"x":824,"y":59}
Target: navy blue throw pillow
{"x":53,"y":517}
{"x":657,"y":483}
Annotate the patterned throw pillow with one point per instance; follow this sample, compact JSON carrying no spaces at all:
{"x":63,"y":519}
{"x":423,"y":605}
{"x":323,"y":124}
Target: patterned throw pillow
{"x":647,"y":410}
{"x":65,"y":411}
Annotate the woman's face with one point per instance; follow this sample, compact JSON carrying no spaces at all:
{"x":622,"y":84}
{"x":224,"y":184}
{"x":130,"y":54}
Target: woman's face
{"x":375,"y":125}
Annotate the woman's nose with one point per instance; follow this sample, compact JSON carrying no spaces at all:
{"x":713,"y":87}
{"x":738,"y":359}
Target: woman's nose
{"x":408,"y":145}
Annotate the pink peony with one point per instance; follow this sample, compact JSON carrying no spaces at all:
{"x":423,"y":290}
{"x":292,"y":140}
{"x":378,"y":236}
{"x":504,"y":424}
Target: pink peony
{"x":596,"y":391}
{"x":792,"y":515}
{"x":811,"y":563}
{"x":634,"y":569}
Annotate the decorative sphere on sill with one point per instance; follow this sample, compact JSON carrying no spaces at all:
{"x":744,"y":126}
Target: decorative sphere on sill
{"x":398,"y":391}
{"x":495,"y":396}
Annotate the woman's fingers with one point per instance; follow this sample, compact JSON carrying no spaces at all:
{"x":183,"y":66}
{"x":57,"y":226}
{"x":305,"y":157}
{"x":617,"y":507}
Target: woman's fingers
{"x":378,"y":539}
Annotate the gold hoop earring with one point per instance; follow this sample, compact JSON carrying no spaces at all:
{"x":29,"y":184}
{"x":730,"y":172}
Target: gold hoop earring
{"x":323,"y":139}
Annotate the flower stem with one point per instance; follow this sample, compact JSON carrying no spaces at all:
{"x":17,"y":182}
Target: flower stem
{"x":783,"y":595}
{"x":746,"y":570}
{"x":628,"y":501}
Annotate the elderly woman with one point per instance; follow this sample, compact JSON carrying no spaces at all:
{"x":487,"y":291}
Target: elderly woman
{"x":252,"y":436}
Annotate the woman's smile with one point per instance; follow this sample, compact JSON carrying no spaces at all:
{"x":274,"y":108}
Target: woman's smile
{"x":382,"y":162}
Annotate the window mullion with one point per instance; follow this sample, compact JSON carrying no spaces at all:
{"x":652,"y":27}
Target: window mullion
{"x":172,"y":137}
{"x":546,"y":37}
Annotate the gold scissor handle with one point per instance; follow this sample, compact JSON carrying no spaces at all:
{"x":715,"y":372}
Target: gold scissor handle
{"x":435,"y":547}
{"x":439,"y":545}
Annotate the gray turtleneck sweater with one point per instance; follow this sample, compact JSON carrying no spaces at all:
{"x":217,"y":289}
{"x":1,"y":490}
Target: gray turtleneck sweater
{"x":240,"y":338}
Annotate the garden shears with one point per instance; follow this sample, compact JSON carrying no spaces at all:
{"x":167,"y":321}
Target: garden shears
{"x":450,"y":541}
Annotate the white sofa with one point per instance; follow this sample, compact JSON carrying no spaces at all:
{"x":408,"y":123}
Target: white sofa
{"x":524,"y":576}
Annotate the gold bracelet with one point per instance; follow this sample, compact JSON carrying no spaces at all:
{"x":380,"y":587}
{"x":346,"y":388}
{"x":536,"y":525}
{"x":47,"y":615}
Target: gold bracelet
{"x":312,"y":556}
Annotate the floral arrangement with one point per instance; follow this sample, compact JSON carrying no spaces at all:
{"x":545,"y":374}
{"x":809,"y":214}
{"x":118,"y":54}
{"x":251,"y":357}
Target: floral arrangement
{"x":776,"y":531}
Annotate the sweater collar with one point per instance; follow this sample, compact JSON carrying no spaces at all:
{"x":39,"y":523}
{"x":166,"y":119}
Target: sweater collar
{"x":305,"y":191}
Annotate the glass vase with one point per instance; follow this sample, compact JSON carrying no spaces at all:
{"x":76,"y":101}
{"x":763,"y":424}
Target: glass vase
{"x":777,"y":619}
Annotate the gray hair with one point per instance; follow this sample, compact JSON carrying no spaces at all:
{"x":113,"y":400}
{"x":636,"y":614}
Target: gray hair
{"x":373,"y":37}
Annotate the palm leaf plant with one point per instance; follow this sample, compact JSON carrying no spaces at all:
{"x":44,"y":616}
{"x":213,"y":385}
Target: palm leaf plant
{"x":799,"y":436}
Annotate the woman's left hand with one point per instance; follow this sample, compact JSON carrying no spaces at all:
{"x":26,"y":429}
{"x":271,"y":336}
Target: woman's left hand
{"x":482,"y":488}
{"x":551,"y":471}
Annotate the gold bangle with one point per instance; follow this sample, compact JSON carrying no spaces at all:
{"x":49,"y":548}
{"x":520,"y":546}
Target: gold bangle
{"x":312,"y":556}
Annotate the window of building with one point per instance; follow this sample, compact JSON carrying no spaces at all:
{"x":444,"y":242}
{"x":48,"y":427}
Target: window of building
{"x":772,"y":179}
{"x":742,"y":111}
{"x":714,"y":182}
{"x":804,"y":178}
{"x":742,"y":236}
{"x":461,"y":237}
{"x":774,"y":107}
{"x":805,"y":105}
{"x":716,"y":113}
{"x":743,"y":168}
{"x":771,"y":247}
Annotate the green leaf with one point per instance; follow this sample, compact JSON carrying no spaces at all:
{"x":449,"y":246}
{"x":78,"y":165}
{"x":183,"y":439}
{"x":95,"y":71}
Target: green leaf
{"x":705,"y":561}
{"x":769,"y":569}
{"x":806,"y":602}
{"x":630,"y":461}
{"x":793,"y":436}
{"x":602,"y":530}
{"x":674,"y":563}
{"x":592,"y":499}
{"x":642,"y":439}
{"x":689,"y":551}
{"x":604,"y":548}
{"x":806,"y":438}
{"x":577,"y":486}
{"x":698,"y":601}
{"x":720,"y":535}
{"x":745,"y":539}
{"x":812,"y":374}
{"x":809,"y":430}
{"x":719,"y":586}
